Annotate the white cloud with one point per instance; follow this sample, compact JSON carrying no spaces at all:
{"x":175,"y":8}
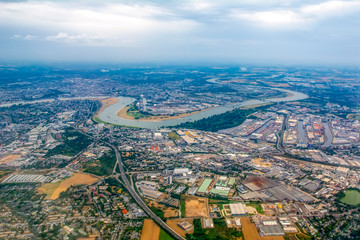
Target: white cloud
{"x":298,"y":16}
{"x":30,"y":37}
{"x":80,"y":38}
{"x":108,"y":24}
{"x":26,"y":37}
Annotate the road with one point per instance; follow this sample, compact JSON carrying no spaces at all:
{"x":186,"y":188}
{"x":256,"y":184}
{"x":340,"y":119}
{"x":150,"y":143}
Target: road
{"x":138,"y":199}
{"x":134,"y":194}
{"x":280,"y":135}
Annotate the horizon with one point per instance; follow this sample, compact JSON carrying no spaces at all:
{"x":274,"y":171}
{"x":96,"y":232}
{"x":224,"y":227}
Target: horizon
{"x":191,"y":32}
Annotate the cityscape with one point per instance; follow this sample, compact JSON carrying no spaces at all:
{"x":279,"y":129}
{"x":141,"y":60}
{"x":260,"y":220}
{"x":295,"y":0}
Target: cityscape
{"x":285,"y":167}
{"x":180,"y":120}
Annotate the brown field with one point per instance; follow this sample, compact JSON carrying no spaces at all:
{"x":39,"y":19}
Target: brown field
{"x":171,"y":212}
{"x":196,"y":207}
{"x":53,"y":190}
{"x":152,"y":203}
{"x":251,"y":233}
{"x":150,"y":230}
{"x":105,"y":103}
{"x":261,"y":162}
{"x":123,"y":114}
{"x":173,"y":224}
{"x":9,"y":158}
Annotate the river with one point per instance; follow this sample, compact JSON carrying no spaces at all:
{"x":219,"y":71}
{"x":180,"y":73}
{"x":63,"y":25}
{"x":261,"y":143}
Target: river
{"x":109,"y":114}
{"x":49,"y":100}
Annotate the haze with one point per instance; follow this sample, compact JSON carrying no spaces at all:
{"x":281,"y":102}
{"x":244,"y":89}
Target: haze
{"x":295,"y":32}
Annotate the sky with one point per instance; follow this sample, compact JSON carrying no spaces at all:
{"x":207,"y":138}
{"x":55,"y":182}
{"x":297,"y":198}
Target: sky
{"x":182,"y":31}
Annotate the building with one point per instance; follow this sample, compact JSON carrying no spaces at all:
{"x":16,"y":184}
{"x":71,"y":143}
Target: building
{"x":186,"y":226}
{"x":152,"y":194}
{"x":237,"y":209}
{"x":270,"y":228}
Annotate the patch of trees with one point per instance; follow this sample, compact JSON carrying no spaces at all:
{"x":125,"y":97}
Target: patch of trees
{"x":103,"y":166}
{"x":73,"y":143}
{"x":222,"y":121}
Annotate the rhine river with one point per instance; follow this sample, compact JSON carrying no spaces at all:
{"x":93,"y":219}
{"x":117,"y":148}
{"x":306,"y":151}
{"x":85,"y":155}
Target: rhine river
{"x":109,"y":115}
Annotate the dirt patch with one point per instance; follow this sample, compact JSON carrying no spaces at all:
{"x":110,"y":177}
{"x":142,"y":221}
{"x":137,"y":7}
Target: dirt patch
{"x":53,"y":190}
{"x":9,"y":158}
{"x":196,"y":207}
{"x":250,"y":210}
{"x":171,"y":212}
{"x":150,"y":230}
{"x":155,"y":204}
{"x":261,"y":162}
{"x":251,"y":233}
{"x":173,"y":223}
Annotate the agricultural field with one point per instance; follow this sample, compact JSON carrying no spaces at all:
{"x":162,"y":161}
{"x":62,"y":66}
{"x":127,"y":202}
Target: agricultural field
{"x":9,"y":158}
{"x":150,"y":231}
{"x":53,"y":190}
{"x":251,"y":233}
{"x":4,"y":174}
{"x":196,"y":207}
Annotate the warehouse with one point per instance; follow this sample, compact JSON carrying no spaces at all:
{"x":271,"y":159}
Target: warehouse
{"x":237,"y":209}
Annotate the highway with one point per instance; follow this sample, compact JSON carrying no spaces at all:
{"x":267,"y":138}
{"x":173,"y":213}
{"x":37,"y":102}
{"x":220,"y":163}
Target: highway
{"x":280,"y":135}
{"x":138,"y":199}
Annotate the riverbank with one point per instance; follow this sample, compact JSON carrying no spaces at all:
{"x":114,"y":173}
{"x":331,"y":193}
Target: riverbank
{"x":111,"y":114}
{"x":123,"y":113}
{"x":104,"y":104}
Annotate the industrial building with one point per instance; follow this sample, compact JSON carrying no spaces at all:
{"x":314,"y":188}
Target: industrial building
{"x":237,"y":209}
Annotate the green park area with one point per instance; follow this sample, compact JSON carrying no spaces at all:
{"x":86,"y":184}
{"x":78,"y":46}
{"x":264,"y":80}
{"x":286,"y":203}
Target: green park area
{"x":351,"y":197}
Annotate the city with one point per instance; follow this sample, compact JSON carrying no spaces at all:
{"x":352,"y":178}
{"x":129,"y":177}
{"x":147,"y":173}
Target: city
{"x":278,"y":169}
{"x":179,"y":120}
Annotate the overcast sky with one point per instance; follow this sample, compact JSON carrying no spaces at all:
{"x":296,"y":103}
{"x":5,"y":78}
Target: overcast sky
{"x":205,"y":31}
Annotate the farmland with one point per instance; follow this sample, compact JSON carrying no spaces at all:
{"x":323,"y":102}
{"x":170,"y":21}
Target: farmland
{"x":53,"y":190}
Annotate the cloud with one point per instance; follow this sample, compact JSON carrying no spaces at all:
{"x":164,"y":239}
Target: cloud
{"x":110,"y":24}
{"x":80,"y":38}
{"x":302,"y":16}
{"x":26,"y":37}
{"x":190,"y":29}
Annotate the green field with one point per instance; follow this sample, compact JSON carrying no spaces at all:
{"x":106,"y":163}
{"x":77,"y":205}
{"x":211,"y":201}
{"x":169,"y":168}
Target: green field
{"x":352,"y":197}
{"x":164,"y":235}
{"x":134,"y":112}
{"x":174,"y":136}
{"x":182,"y":206}
{"x":205,"y":184}
{"x":220,"y":231}
{"x":257,"y":206}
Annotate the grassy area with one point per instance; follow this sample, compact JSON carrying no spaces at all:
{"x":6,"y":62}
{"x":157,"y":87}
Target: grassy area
{"x":220,"y":231}
{"x":182,"y":206}
{"x":219,"y":201}
{"x":164,"y":235}
{"x":351,"y":197}
{"x":4,"y":173}
{"x":174,"y":136}
{"x":257,"y":206}
{"x":102,"y":166}
{"x":134,"y":112}
{"x":158,"y":212}
{"x":49,"y":189}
